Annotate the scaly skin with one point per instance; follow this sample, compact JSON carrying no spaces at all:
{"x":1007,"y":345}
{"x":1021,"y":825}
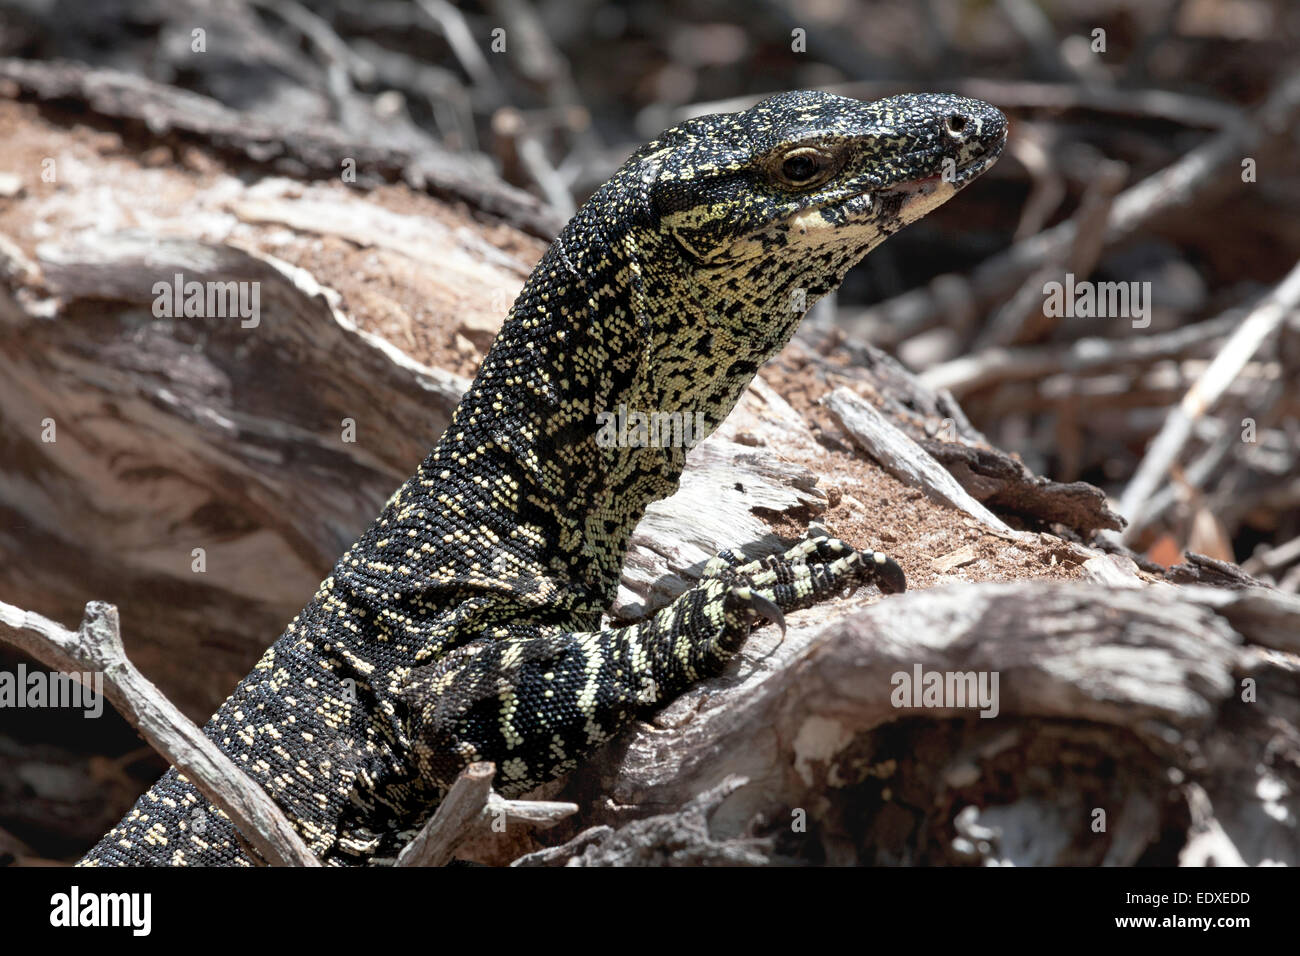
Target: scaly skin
{"x":464,"y":624}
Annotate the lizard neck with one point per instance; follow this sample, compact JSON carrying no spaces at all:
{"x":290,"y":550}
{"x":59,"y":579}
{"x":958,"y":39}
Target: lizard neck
{"x":548,"y":439}
{"x":617,"y":357}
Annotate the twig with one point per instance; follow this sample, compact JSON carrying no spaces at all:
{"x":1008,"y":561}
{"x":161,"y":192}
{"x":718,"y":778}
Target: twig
{"x":1197,"y":475}
{"x":1207,"y":390}
{"x":540,"y":63}
{"x":538,"y":59}
{"x":558,"y":855}
{"x":459,"y":811}
{"x":461,"y":40}
{"x":994,"y":366}
{"x":1022,"y":315}
{"x":448,"y":99}
{"x":1036,"y":30}
{"x":322,"y":36}
{"x":97,"y":646}
{"x":528,"y":149}
{"x":903,"y":458}
{"x":1272,"y":560}
{"x":678,"y":838}
{"x":469,"y":806}
{"x":1291,"y":581}
{"x":1046,"y":184}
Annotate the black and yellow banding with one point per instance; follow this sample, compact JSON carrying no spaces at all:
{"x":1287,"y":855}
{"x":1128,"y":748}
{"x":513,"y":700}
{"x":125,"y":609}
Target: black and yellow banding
{"x":465,"y":623}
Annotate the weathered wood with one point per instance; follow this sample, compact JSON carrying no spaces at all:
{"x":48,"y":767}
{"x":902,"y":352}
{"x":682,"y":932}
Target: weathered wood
{"x":95,"y":648}
{"x":1131,"y":681}
{"x":471,"y":811}
{"x":316,"y":151}
{"x":175,"y":434}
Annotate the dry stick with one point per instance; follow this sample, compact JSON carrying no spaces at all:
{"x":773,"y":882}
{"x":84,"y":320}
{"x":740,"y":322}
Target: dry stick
{"x":1207,"y":390}
{"x":540,"y":62}
{"x":510,"y":124}
{"x":464,"y":47}
{"x":1268,"y":493}
{"x":544,"y":66}
{"x":97,"y":646}
{"x":1039,"y":35}
{"x":995,"y":366}
{"x":441,"y":89}
{"x":322,"y":36}
{"x":1108,"y":178}
{"x":470,"y":805}
{"x":344,"y":68}
{"x":1291,"y":581}
{"x":903,"y":458}
{"x":1046,"y":182}
{"x":1009,"y":323}
{"x":1274,"y":559}
{"x":1197,"y":474}
{"x":459,"y":811}
{"x":920,"y":309}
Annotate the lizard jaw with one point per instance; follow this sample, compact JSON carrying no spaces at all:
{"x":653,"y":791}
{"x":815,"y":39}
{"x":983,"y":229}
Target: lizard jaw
{"x":895,"y":205}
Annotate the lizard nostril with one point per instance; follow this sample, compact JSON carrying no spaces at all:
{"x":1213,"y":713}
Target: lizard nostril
{"x":956,"y":123}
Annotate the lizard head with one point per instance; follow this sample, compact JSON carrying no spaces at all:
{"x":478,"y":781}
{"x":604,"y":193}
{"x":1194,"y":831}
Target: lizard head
{"x":794,"y":191}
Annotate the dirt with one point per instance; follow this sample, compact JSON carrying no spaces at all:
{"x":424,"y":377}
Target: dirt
{"x":869,"y":508}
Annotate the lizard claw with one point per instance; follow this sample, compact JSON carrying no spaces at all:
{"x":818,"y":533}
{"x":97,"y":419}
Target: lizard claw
{"x":763,"y":608}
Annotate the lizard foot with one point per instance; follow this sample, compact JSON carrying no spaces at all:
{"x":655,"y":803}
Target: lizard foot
{"x":812,"y":570}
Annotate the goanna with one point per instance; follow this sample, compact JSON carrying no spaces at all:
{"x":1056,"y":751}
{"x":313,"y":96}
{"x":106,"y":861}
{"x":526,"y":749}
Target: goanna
{"x":465,"y":623}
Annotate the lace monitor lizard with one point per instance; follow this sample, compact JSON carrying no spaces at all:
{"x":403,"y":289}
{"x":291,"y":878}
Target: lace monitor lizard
{"x":465,"y":623}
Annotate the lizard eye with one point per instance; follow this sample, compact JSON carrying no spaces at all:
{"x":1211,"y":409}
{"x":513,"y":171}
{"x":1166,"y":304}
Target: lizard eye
{"x":805,"y":166}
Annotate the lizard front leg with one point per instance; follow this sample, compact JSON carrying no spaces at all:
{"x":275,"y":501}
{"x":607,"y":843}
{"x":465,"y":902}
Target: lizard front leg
{"x":538,"y":701}
{"x":813,"y":569}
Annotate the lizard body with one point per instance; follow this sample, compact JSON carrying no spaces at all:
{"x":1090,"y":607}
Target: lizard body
{"x":465,"y":623}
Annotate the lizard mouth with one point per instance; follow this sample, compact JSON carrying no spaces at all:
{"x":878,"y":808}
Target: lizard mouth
{"x":960,"y":177}
{"x":911,"y":198}
{"x":889,"y":202}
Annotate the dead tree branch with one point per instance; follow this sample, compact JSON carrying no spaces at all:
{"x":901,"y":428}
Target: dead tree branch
{"x":96,"y":646}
